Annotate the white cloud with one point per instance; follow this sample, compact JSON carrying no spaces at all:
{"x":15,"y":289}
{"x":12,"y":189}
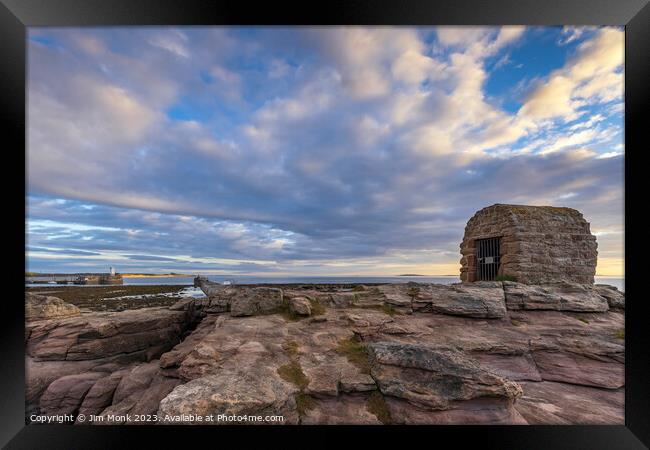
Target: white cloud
{"x":375,"y":147}
{"x":173,"y":41}
{"x":591,"y":76}
{"x":609,"y":155}
{"x":571,"y":141}
{"x":369,"y":131}
{"x":228,"y":82}
{"x":570,"y":34}
{"x":462,"y":36}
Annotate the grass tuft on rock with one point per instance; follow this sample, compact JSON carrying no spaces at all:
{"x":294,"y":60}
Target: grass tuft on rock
{"x":316,"y":308}
{"x":291,"y":347}
{"x":355,"y":352}
{"x":304,"y":402}
{"x":376,"y":404}
{"x":620,"y":334}
{"x":288,"y":315}
{"x":583,"y":320}
{"x":389,"y":309}
{"x":505,"y":278}
{"x":293,"y":373}
{"x":515,"y":323}
{"x":413,"y":291}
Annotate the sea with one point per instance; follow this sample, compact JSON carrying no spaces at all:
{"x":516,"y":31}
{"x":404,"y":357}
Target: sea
{"x":249,"y":279}
{"x":617,"y":282}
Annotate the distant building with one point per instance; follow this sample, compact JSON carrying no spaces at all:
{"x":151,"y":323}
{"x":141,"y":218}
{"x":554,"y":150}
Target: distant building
{"x":100,"y":278}
{"x":532,"y":244}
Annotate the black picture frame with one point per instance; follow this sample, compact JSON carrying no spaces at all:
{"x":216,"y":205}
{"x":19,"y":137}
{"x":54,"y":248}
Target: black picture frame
{"x":16,"y":15}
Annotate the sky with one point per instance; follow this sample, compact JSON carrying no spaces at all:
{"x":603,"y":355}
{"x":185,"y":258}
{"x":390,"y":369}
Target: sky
{"x":313,"y":150}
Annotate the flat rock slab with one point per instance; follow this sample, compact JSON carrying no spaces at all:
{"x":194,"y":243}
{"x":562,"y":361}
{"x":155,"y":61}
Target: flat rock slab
{"x":471,"y":412}
{"x":99,"y":335}
{"x":400,"y":296}
{"x":255,"y":301}
{"x":232,"y":393}
{"x":477,"y":300}
{"x":343,"y":410}
{"x":450,"y":363}
{"x":551,"y":403}
{"x":434,"y":377}
{"x":577,"y":369}
{"x":559,"y":297}
{"x":512,"y":367}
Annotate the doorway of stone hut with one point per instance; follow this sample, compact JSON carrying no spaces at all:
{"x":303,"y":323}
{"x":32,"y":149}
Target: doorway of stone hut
{"x":488,"y":257}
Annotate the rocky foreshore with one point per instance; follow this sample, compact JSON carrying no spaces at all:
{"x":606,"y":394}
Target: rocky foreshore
{"x":469,"y":353}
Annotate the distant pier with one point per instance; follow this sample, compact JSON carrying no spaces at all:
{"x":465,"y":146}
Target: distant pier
{"x":76,"y":278}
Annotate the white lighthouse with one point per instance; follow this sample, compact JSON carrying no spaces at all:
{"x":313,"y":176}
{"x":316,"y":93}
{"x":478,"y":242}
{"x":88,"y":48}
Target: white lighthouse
{"x":112,"y":270}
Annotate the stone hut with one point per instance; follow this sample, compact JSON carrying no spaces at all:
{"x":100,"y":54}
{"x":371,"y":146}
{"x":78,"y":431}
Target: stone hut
{"x":532,"y":244}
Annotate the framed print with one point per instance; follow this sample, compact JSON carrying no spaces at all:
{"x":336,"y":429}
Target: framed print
{"x":365,"y":219}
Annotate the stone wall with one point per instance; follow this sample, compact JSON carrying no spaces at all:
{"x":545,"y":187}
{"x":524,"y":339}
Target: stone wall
{"x":539,"y":244}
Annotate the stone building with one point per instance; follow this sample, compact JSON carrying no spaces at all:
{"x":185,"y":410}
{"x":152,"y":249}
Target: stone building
{"x":532,"y":244}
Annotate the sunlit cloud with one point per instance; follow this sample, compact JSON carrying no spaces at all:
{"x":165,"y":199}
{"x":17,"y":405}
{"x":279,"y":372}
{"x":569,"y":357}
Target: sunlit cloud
{"x":342,"y":150}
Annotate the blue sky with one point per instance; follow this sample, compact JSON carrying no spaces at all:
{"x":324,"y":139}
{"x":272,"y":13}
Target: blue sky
{"x":313,"y":150}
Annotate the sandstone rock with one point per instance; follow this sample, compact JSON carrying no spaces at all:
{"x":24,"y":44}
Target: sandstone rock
{"x":100,"y":335}
{"x":479,"y":300}
{"x":141,"y":402}
{"x":342,"y":299}
{"x":337,"y":375}
{"x":615,"y":298}
{"x":480,"y":411}
{"x":430,"y":368}
{"x":137,"y":380}
{"x":237,"y":343}
{"x":340,"y":411}
{"x":513,"y":367}
{"x":566,"y":404}
{"x":300,"y":306}
{"x":323,"y":379}
{"x":254,"y":301}
{"x":368,"y":297}
{"x":432,"y":377}
{"x":100,"y":395}
{"x":40,"y":374}
{"x":41,"y":307}
{"x":190,"y":303}
{"x":577,"y":369}
{"x":116,"y":413}
{"x":560,"y":297}
{"x":398,"y":296}
{"x":352,"y":380}
{"x":261,"y":392}
{"x":367,"y":318}
{"x":65,"y":395}
{"x":175,"y":356}
{"x":150,"y":400}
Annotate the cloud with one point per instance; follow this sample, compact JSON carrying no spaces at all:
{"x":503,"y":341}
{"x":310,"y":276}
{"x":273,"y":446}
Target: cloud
{"x":303,"y":150}
{"x":173,"y":41}
{"x":570,"y":34}
{"x":591,"y":76}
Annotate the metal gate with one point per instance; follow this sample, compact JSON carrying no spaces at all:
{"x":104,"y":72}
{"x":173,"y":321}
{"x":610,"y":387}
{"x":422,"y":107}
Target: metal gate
{"x":488,"y":257}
